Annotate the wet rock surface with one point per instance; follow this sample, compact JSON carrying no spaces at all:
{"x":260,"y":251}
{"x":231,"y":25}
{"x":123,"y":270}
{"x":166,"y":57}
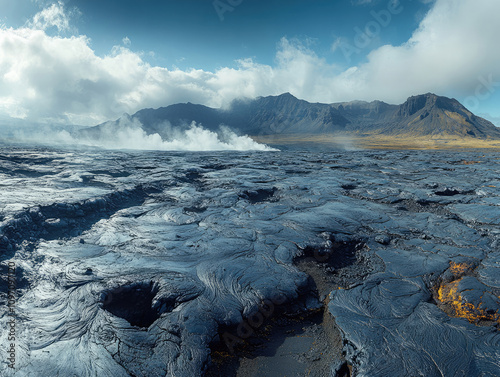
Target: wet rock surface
{"x":390,"y":260}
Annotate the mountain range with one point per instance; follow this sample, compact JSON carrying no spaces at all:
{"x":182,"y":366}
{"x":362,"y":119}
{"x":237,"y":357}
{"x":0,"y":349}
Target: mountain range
{"x":426,"y":115}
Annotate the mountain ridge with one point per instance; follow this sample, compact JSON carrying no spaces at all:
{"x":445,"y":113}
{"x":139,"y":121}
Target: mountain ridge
{"x":424,"y":115}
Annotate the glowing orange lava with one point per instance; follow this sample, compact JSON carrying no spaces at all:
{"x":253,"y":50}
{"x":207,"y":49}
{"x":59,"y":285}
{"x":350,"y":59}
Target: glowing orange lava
{"x":449,"y":295}
{"x":459,"y":269}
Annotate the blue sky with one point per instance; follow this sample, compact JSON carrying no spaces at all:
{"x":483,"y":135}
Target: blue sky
{"x":85,"y":61}
{"x":208,"y":34}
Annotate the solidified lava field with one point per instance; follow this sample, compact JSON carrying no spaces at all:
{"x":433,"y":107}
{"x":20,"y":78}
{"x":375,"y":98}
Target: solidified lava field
{"x":133,"y":263}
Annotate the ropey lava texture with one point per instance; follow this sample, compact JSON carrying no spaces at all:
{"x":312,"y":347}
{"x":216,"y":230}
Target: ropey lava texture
{"x":129,"y":262}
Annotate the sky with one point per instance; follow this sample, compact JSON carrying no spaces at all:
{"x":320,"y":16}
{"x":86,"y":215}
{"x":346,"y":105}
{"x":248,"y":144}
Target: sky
{"x":87,"y":61}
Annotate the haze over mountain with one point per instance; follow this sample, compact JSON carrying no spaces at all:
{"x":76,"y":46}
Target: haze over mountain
{"x":422,"y":115}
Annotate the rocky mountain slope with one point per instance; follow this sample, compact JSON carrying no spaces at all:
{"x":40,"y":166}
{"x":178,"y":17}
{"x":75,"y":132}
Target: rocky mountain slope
{"x":422,"y":115}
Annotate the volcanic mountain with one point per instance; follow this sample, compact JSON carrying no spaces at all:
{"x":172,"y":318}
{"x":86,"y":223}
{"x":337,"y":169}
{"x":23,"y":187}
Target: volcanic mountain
{"x":422,"y":115}
{"x":426,"y":115}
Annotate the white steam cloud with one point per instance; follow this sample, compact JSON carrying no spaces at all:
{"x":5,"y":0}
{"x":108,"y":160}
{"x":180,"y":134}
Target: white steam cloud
{"x":130,"y":135}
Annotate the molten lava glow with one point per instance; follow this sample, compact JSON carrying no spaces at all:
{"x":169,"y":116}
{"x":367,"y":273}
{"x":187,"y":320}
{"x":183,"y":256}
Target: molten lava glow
{"x":459,"y":269}
{"x":449,"y":295}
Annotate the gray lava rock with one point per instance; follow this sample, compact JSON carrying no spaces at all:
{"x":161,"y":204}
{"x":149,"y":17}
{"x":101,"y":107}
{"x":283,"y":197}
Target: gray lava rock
{"x":183,"y":249}
{"x":383,"y":239}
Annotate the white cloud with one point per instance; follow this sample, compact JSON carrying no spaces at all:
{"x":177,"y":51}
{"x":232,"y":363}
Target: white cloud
{"x":454,"y":46}
{"x":53,"y":78}
{"x":53,"y":16}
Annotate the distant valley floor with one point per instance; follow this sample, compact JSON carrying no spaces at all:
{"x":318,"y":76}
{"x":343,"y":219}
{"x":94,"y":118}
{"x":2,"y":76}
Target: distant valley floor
{"x":364,"y":141}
